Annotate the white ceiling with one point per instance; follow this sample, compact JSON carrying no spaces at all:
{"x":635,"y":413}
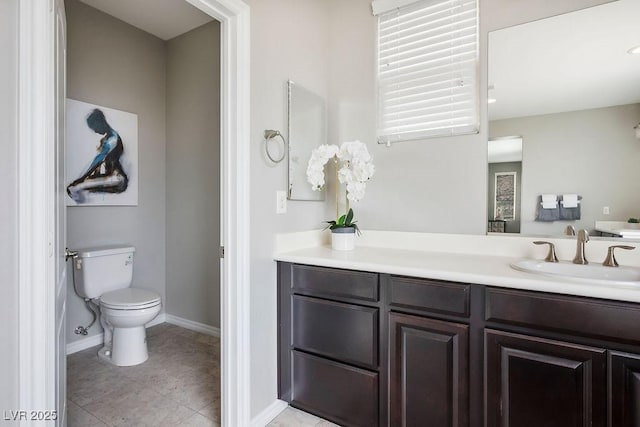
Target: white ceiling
{"x":165,"y":19}
{"x":506,"y":149}
{"x":570,"y":62}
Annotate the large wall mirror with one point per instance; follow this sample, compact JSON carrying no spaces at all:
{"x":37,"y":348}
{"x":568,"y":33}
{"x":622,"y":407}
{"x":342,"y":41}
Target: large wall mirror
{"x":307,"y":130}
{"x":565,"y":91}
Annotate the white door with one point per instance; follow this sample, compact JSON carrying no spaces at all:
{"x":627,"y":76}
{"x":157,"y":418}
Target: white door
{"x":60,"y":214}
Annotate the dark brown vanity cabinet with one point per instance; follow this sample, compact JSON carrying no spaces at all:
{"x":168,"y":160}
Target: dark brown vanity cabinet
{"x":428,"y":365}
{"x":329,"y":331}
{"x":534,"y":382}
{"x":368,"y":349}
{"x":624,"y":382}
{"x":563,"y":361}
{"x":428,"y":372}
{"x":363,"y":349}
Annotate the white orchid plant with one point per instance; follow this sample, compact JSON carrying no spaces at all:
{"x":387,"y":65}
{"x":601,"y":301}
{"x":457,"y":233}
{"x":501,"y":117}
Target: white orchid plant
{"x":353,"y":166}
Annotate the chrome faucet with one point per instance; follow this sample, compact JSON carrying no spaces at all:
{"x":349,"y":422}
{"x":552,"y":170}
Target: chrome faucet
{"x":582,"y":238}
{"x":570,"y":230}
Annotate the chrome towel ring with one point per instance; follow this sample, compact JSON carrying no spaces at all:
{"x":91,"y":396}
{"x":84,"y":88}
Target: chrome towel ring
{"x":268,"y":136}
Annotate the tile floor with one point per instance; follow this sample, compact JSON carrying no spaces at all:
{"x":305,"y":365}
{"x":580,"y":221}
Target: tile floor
{"x":292,"y":417}
{"x":178,"y":385}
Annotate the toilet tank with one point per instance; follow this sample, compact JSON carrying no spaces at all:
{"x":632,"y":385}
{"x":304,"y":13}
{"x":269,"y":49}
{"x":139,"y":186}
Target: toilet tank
{"x":102,"y":269}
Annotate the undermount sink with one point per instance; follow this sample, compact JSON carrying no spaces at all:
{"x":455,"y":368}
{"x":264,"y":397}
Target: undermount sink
{"x":589,"y":273}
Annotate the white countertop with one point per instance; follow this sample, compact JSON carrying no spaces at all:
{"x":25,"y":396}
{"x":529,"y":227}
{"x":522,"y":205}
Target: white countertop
{"x":459,"y":267}
{"x":620,"y":228}
{"x":629,"y":233}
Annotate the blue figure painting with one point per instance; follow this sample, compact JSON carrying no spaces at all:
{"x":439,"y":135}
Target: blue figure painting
{"x":105,"y":173}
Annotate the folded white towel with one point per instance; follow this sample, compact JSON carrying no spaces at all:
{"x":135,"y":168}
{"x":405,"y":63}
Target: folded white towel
{"x":549,"y":205}
{"x":549,"y":198}
{"x":569,"y":200}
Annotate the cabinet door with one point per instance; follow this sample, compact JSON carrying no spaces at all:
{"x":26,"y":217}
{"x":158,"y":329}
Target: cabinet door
{"x":428,"y":372}
{"x":533,"y":382}
{"x":624,"y":380}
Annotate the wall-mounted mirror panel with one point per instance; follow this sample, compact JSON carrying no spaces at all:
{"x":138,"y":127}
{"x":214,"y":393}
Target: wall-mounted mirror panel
{"x":307,"y":130}
{"x":570,"y":88}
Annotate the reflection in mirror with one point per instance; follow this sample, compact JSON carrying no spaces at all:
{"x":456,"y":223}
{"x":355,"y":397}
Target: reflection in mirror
{"x":307,"y":130}
{"x":505,"y":176}
{"x":570,"y":86}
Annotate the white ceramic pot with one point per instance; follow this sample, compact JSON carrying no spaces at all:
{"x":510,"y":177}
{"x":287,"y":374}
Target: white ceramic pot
{"x":343,"y":239}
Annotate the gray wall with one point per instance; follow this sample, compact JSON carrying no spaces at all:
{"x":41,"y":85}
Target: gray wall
{"x":512,"y":226}
{"x":193,"y":175}
{"x":592,"y":152}
{"x":436,"y":185}
{"x":9,"y":387}
{"x":113,"y":64}
{"x":289,"y":39}
{"x":430,"y":185}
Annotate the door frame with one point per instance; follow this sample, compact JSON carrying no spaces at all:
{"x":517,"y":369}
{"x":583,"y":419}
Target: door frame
{"x":36,"y":204}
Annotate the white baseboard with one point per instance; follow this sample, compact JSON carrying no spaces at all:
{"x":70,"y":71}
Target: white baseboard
{"x":266,"y":416}
{"x":97,"y":339}
{"x":85,"y":343}
{"x":160,"y":318}
{"x":194,"y":326}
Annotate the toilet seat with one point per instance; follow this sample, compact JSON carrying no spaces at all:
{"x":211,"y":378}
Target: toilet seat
{"x":130,"y":299}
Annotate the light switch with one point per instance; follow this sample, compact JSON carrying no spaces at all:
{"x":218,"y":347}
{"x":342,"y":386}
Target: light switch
{"x":281,"y":202}
{"x":605,"y":210}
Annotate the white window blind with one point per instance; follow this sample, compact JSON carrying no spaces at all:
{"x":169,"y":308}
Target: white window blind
{"x":427,"y":70}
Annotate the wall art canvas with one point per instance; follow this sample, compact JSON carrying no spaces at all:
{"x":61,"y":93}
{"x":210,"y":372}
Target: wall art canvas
{"x":101,"y":156}
{"x":505,"y":197}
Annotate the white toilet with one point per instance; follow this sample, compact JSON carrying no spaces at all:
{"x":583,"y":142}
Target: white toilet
{"x":106,"y":273}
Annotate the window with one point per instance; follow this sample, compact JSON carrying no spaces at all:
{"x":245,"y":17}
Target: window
{"x":427,"y":68}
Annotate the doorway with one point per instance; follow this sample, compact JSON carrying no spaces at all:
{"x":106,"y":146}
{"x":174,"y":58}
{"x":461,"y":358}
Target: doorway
{"x":504,"y":184}
{"x":37,"y":203}
{"x":158,"y":87}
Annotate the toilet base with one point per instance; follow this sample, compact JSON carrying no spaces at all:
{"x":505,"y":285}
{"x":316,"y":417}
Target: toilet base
{"x":128,"y":347}
{"x":105,"y":354}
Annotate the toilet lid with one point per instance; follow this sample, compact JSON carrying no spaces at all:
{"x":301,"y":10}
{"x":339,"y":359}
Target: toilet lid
{"x":129,"y":299}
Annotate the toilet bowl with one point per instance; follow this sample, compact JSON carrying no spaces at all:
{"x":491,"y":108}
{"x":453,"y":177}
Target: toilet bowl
{"x":124,"y":314}
{"x":104,"y":275}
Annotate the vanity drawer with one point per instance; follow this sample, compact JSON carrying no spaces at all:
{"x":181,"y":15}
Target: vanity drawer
{"x":340,"y":393}
{"x":333,"y":283}
{"x":610,"y":320}
{"x":345,"y":332}
{"x":430,"y":295}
